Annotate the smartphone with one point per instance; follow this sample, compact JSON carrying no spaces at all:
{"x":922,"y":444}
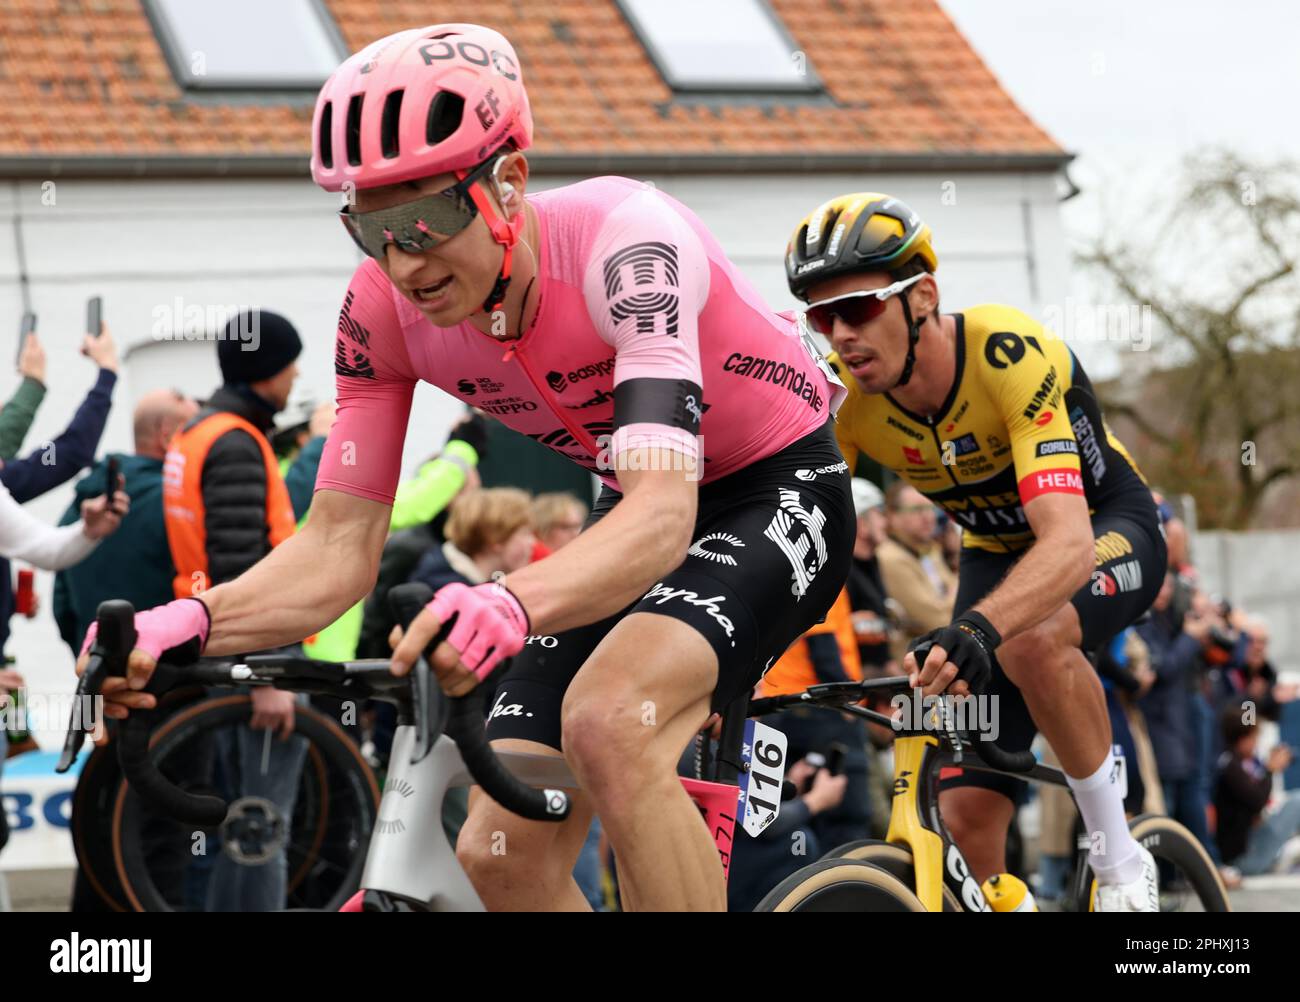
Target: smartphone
{"x":94,"y":316}
{"x":835,"y":758}
{"x":112,"y":480}
{"x":27,"y":327}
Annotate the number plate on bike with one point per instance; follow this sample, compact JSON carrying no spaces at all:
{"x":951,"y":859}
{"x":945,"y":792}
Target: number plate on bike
{"x":760,"y":798}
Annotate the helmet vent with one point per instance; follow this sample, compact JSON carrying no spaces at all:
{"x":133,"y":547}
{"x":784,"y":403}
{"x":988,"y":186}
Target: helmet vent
{"x":354,"y":130}
{"x":828,"y":227}
{"x":388,"y":126}
{"x":445,"y":113}
{"x":327,"y":136}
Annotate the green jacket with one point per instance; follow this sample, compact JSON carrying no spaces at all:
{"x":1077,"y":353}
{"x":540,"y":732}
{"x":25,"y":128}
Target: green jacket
{"x":18,"y":414}
{"x":417,"y":502}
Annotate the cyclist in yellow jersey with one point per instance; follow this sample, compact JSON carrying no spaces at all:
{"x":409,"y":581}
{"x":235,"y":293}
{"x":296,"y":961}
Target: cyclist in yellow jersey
{"x":991,"y":416}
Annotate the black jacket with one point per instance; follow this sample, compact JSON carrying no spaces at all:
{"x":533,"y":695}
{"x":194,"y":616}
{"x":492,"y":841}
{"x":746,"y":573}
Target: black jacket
{"x":1241,"y":793}
{"x":234,"y":487}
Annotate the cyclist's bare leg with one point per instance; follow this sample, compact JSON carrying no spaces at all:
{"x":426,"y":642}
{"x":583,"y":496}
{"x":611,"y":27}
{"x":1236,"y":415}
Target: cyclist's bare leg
{"x":520,"y":865}
{"x":628,"y":715}
{"x":1066,"y":700}
{"x":978,"y":820}
{"x":1062,"y":690}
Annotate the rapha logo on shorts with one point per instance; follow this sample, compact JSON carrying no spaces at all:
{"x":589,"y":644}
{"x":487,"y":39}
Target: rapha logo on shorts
{"x":712,"y":606}
{"x":840,"y":467}
{"x":698,"y":549}
{"x":797,"y":532}
{"x":503,"y":709}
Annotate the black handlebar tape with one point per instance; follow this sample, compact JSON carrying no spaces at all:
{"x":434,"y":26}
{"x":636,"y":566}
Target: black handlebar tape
{"x":466,"y":727}
{"x":115,"y":638}
{"x":989,"y":751}
{"x":1000,"y":758}
{"x":152,"y":786}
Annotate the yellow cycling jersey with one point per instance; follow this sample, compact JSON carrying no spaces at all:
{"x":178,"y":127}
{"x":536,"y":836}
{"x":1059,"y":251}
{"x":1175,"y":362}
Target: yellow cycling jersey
{"x":1021,"y":420}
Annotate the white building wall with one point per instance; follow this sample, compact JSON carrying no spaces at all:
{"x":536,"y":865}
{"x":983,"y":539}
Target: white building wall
{"x":154,"y":248}
{"x":1260,"y":572}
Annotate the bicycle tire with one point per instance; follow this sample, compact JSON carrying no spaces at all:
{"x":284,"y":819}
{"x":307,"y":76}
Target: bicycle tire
{"x":840,"y":885}
{"x":329,"y":748}
{"x":90,"y":821}
{"x":893,"y":859}
{"x":1168,"y":840}
{"x":91,"y":826}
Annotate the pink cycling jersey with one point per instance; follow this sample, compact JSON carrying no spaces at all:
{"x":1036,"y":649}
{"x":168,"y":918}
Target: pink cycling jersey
{"x":645,"y":334}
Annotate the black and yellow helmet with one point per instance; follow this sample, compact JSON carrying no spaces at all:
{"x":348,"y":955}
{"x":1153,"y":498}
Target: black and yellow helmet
{"x":864,"y":231}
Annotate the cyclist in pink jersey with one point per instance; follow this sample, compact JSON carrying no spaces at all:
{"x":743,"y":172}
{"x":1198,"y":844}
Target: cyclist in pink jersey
{"x":603,"y":320}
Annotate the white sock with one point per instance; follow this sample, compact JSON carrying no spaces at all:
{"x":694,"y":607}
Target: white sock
{"x":1114,"y":852}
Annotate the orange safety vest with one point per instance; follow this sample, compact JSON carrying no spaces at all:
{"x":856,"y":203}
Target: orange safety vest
{"x":794,"y":672}
{"x":183,"y":509}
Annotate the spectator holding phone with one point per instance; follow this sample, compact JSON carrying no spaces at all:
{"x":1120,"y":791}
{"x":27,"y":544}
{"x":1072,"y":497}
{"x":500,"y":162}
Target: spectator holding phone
{"x":55,"y":462}
{"x":1250,"y":840}
{"x":18,"y":414}
{"x":135,"y":564}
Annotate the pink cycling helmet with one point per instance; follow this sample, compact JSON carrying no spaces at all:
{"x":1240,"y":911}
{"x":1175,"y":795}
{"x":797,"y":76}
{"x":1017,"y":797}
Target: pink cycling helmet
{"x":424,"y":101}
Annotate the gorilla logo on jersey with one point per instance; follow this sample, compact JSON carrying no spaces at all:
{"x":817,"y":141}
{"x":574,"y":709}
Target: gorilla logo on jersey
{"x":650,"y":268}
{"x":797,"y":532}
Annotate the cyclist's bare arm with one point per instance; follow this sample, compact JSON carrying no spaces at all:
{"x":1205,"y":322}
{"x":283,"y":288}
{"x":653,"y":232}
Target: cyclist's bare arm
{"x":617,"y":559}
{"x":289,"y":594}
{"x":602,"y":571}
{"x":1056,"y":566}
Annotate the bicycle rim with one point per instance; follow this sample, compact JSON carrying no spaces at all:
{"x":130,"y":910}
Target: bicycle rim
{"x":324,"y":847}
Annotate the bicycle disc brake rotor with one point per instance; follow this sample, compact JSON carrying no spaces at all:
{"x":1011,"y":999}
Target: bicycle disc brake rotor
{"x":254,"y":831}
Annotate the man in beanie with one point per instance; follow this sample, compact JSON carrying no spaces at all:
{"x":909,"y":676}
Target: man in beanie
{"x":225,"y":506}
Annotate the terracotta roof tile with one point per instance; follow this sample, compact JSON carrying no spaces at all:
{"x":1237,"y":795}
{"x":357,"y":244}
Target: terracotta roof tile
{"x":898,"y":78}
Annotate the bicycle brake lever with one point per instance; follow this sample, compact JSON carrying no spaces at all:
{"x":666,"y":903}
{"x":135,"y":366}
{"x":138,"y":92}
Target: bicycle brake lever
{"x":115,"y":637}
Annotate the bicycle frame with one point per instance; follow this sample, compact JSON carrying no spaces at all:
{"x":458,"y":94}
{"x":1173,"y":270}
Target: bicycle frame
{"x":409,"y":858}
{"x":915,"y":822}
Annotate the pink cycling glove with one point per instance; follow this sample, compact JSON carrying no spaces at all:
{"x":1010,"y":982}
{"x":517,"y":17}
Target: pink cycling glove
{"x":166,"y":626}
{"x":490,"y":626}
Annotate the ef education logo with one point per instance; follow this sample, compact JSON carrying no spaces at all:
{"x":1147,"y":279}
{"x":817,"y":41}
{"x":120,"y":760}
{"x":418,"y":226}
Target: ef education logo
{"x":102,"y":956}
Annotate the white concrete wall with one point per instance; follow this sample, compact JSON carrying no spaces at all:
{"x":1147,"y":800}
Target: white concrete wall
{"x":275,"y":243}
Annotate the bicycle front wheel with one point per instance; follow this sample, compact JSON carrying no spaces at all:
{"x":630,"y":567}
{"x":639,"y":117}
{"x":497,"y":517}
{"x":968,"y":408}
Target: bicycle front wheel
{"x":318,"y":842}
{"x":895,"y":860}
{"x":840,"y":885}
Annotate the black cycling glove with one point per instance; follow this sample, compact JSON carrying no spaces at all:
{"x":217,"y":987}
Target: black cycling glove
{"x":473,"y":431}
{"x":970,"y":641}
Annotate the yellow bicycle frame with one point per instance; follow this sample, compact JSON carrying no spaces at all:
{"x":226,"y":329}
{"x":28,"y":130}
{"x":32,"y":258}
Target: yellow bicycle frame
{"x":906,"y":826}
